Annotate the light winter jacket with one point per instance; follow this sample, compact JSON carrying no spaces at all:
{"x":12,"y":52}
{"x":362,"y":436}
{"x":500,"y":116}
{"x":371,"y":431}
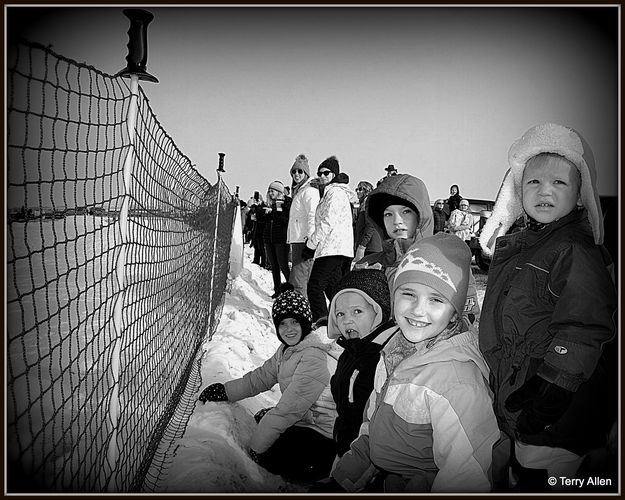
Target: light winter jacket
{"x":460,"y":218}
{"x":302,"y":215}
{"x":334,"y":234}
{"x":429,"y":424}
{"x":303,"y":373}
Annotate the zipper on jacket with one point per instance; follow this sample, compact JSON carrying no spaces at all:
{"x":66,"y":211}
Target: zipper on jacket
{"x":352,"y":379}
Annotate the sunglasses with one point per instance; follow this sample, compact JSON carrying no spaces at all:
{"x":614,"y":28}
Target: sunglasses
{"x":324,"y":173}
{"x":297,"y":171}
{"x":464,"y":206}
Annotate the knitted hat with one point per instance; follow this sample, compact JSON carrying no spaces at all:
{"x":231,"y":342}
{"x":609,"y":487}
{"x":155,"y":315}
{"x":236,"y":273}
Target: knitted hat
{"x":443,"y":262}
{"x":372,"y":285}
{"x":301,"y":162}
{"x":331,"y":164}
{"x":378,"y":202}
{"x":277,"y":185}
{"x":545,"y":138}
{"x":292,"y":304}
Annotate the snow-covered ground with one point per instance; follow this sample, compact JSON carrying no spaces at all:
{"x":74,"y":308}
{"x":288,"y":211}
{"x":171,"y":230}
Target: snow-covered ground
{"x":212,"y":455}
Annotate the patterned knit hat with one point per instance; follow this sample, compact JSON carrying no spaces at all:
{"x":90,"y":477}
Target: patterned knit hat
{"x":372,"y":285}
{"x":292,"y":304}
{"x":331,"y":164}
{"x":301,"y":162}
{"x":277,"y":185}
{"x":443,"y":262}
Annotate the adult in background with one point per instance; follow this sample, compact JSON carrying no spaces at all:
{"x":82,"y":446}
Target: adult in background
{"x":256,"y":225}
{"x":440,"y":217}
{"x":461,"y":222}
{"x":276,"y":218}
{"x":332,"y":242}
{"x":301,"y":222}
{"x":453,"y":201}
{"x":367,"y":239}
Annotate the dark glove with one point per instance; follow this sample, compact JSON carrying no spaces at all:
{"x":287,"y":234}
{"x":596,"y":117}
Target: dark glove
{"x":307,"y":253}
{"x":327,"y":485}
{"x":261,"y":413}
{"x":214,"y":392}
{"x":541,"y":403}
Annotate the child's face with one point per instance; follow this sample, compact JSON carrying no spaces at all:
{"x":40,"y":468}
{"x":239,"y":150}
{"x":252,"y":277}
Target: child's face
{"x":421,"y":312}
{"x":354,"y":315}
{"x":453,"y":190}
{"x":400,"y":222}
{"x":550,"y":189}
{"x":290,"y":331}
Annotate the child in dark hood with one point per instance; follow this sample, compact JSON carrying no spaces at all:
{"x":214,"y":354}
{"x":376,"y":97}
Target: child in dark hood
{"x":548,"y":322}
{"x":304,"y":417}
{"x":400,"y":209}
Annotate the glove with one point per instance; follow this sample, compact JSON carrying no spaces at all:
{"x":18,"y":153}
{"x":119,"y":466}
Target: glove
{"x":327,"y":485}
{"x":261,"y":413}
{"x":541,"y":403}
{"x":214,"y":392}
{"x":307,"y":253}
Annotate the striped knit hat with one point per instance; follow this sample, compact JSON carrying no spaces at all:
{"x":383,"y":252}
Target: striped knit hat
{"x":292,"y":304}
{"x":277,"y":185}
{"x":443,"y":262}
{"x":372,"y":285}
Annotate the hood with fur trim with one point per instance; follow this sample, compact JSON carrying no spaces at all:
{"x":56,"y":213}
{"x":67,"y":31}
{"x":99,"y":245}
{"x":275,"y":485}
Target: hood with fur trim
{"x":407,"y":187}
{"x":545,"y":138}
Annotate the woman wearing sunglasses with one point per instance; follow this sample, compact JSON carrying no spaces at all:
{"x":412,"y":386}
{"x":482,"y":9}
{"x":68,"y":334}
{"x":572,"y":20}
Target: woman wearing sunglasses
{"x":332,"y":242}
{"x":301,"y":222}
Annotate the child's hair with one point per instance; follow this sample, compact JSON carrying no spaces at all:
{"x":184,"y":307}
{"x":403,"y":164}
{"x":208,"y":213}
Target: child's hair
{"x":542,"y":159}
{"x":292,"y":304}
{"x":372,"y":284}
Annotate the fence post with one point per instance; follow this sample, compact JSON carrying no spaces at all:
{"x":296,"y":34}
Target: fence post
{"x":220,"y":169}
{"x":137,"y":59}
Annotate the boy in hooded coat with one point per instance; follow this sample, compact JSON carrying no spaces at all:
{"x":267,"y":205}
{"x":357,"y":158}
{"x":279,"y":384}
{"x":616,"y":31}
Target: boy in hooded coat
{"x":304,"y":417}
{"x":549,"y":312}
{"x":410,"y":191}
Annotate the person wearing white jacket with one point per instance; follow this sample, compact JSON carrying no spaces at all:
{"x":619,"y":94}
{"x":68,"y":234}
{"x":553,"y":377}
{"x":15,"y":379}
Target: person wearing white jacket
{"x":332,"y":242}
{"x":301,"y":222}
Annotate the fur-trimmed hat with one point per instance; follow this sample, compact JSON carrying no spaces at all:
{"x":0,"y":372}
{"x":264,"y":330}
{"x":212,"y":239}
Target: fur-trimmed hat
{"x":372,"y":285}
{"x":545,"y":138}
{"x":292,"y":304}
{"x":277,"y":185}
{"x":443,"y":262}
{"x":301,"y":162}
{"x":331,"y":164}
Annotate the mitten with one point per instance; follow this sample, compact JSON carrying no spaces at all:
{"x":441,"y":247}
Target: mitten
{"x":541,"y":403}
{"x":327,"y":485}
{"x":307,"y":253}
{"x":261,"y":413}
{"x":214,"y":392}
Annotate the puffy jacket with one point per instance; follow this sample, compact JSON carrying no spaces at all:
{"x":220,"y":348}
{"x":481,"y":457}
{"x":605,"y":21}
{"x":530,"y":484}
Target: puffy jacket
{"x":429,"y":424}
{"x":302,"y":214}
{"x":550,"y":308}
{"x":333,"y":233}
{"x":303,"y":373}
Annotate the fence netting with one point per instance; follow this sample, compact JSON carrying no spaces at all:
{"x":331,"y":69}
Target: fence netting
{"x":113,"y":283}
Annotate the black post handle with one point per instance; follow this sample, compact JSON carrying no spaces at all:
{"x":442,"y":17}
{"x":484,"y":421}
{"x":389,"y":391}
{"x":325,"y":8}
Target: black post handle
{"x":137,"y":57}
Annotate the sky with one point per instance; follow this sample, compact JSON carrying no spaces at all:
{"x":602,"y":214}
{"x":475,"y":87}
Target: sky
{"x":439,"y":92}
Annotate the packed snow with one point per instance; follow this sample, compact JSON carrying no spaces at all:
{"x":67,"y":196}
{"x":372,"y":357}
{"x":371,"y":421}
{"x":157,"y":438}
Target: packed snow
{"x":212,"y":455}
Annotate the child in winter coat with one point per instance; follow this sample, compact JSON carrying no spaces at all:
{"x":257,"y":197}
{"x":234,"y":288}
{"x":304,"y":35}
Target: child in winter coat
{"x":294,"y":438}
{"x":429,"y":425}
{"x":400,"y":209}
{"x":461,"y":222}
{"x":359,"y":320}
{"x":548,"y":319}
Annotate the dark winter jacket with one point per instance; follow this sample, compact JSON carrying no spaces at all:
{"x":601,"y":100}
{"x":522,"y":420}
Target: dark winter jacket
{"x":276,"y":222}
{"x":352,"y":382}
{"x":440,"y":218}
{"x":365,"y":233}
{"x":453,"y":202}
{"x":550,"y":309}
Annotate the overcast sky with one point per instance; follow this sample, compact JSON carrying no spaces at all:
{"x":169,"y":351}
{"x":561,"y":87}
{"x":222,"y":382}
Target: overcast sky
{"x":440,"y":92}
